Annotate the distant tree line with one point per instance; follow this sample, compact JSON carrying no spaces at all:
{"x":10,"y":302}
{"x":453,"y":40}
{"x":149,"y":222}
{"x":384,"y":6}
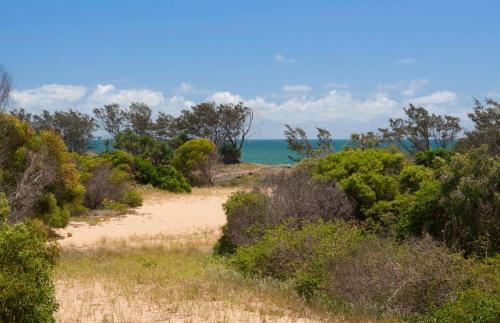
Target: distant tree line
{"x":419,"y":131}
{"x":134,"y":130}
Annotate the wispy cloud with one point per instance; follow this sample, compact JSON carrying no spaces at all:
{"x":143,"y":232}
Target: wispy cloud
{"x":49,"y":94}
{"x":282,"y":59}
{"x":405,"y":61}
{"x":334,"y":85}
{"x":296,"y":88}
{"x":438,"y":97}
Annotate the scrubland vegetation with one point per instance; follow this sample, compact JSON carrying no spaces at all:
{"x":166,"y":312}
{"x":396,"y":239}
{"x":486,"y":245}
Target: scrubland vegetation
{"x":403,"y":225}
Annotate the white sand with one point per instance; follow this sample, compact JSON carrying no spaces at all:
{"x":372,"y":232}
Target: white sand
{"x":160,"y":214}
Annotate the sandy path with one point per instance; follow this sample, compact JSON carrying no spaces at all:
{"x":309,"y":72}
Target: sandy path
{"x":160,"y":213}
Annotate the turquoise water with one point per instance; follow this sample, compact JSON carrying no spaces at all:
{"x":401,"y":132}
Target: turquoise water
{"x":262,"y":151}
{"x":274,"y":151}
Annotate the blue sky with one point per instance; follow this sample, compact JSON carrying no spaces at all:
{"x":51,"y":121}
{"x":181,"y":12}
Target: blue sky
{"x":344,"y":65}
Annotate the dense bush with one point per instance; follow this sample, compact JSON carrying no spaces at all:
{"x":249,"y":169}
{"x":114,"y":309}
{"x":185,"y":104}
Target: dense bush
{"x":144,"y":172}
{"x":195,"y":159}
{"x":26,"y":261}
{"x":293,"y":197}
{"x":230,"y":154}
{"x":367,"y":176}
{"x":298,"y":254}
{"x":146,"y":147}
{"x":381,"y":276}
{"x":32,"y":165}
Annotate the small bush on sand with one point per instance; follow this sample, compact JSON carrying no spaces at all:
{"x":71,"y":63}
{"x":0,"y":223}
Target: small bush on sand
{"x":195,"y":159}
{"x":132,"y":198}
{"x":26,"y":262}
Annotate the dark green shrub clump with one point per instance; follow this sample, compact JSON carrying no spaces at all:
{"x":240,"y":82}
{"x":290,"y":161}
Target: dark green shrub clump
{"x":26,"y":261}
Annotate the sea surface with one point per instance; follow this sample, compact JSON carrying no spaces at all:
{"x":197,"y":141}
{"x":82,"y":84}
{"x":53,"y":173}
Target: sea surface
{"x":261,"y":151}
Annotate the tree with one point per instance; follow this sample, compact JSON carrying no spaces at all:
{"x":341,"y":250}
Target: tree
{"x":203,"y":121}
{"x":236,"y":120}
{"x":147,"y":147}
{"x":299,"y":143}
{"x":226,"y":125}
{"x":195,"y":159}
{"x":5,"y":89}
{"x":111,"y":118}
{"x":75,"y":127}
{"x":414,"y":133}
{"x":166,"y":126}
{"x":138,"y":116}
{"x":22,"y":115}
{"x":366,"y":140}
{"x":486,"y":119}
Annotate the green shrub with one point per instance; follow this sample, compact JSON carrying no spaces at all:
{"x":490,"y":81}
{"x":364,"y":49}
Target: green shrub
{"x":26,"y":261}
{"x":247,"y":214}
{"x":470,"y":306}
{"x":51,"y":213}
{"x":132,"y":199}
{"x":367,"y":176}
{"x":230,"y":154}
{"x":163,"y":177}
{"x":224,"y":246}
{"x":114,"y":205}
{"x":299,"y":254}
{"x":4,"y":208}
{"x":195,"y":159}
{"x":381,"y":276}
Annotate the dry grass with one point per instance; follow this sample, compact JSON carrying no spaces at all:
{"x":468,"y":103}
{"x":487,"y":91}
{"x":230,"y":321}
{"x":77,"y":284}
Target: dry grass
{"x":169,"y":279}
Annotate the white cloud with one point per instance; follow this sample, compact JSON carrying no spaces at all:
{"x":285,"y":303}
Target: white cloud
{"x":413,"y":87}
{"x":297,"y":88}
{"x":405,"y":61}
{"x":107,"y":93}
{"x":405,"y":88}
{"x":282,"y":59}
{"x":185,"y":88}
{"x":48,"y":95}
{"x":225,"y":97}
{"x":438,"y":97}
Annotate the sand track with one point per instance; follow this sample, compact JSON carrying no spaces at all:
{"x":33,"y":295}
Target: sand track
{"x":161,"y":213}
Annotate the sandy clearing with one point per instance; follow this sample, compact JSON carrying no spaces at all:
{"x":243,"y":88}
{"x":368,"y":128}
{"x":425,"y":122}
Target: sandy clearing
{"x":160,"y":214}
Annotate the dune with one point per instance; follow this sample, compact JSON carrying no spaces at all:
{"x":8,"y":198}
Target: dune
{"x":161,"y":213}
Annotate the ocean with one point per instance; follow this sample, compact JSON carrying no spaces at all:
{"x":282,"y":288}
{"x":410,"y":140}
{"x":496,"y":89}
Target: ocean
{"x":261,"y":151}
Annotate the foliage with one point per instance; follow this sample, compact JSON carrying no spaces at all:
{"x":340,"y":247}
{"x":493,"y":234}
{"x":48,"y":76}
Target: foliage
{"x":138,"y":117}
{"x":299,"y":143}
{"x":471,"y":202}
{"x":229,"y":153}
{"x":195,"y":159}
{"x":26,"y":261}
{"x":132,"y":198}
{"x":292,"y":198}
{"x":364,"y":141}
{"x":414,"y":133}
{"x":381,"y":276}
{"x":4,"y":207}
{"x":144,"y":172}
{"x":470,"y":306}
{"x":111,"y":118}
{"x":486,"y":119}
{"x":298,"y":254}
{"x":102,"y":181}
{"x":144,"y":146}
{"x":75,"y":128}
{"x":367,"y":176}
{"x":33,"y":164}
{"x":430,"y":159}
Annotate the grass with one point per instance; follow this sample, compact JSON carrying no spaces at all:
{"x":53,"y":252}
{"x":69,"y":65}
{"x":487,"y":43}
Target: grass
{"x":172,"y":279}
